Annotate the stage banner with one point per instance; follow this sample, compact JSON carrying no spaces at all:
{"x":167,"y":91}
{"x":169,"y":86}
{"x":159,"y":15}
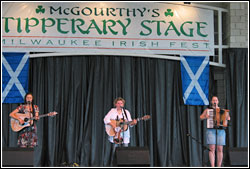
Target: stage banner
{"x":195,"y":79}
{"x":15,"y":72}
{"x":107,"y":27}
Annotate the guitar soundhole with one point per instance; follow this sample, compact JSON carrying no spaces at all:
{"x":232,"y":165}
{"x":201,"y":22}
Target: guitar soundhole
{"x":26,"y":119}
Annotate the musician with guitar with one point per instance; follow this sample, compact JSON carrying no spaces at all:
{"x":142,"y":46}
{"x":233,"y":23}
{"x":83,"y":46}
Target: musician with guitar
{"x":217,"y":129}
{"x":118,"y":134}
{"x":27,"y":136}
{"x":117,"y":122}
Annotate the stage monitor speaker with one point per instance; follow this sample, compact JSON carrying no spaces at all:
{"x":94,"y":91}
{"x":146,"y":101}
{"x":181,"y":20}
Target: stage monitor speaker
{"x":238,"y":156}
{"x":17,"y":157}
{"x":132,"y":156}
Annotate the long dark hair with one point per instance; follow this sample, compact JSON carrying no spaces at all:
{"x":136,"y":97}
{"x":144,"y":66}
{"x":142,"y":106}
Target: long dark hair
{"x":32,"y":102}
{"x":25,"y":101}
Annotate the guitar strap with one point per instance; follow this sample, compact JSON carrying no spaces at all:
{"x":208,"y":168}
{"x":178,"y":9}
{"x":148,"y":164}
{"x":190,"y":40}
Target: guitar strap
{"x":125,"y":113}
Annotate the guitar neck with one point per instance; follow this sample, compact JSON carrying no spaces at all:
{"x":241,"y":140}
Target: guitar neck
{"x":138,"y":119}
{"x":128,"y":122}
{"x":43,"y":115}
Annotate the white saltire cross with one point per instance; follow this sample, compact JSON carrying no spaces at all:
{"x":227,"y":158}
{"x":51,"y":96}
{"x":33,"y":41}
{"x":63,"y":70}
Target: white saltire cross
{"x":14,"y":76}
{"x":195,"y":78}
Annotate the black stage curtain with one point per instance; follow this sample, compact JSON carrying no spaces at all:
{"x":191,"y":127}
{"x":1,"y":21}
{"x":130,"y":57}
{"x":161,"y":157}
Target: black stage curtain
{"x":82,"y":89}
{"x":237,"y":95}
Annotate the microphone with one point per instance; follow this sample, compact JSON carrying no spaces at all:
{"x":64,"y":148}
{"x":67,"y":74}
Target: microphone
{"x":29,"y":102}
{"x":188,"y":134}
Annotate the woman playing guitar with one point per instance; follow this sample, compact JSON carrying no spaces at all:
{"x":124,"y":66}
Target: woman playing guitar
{"x":27,"y":136}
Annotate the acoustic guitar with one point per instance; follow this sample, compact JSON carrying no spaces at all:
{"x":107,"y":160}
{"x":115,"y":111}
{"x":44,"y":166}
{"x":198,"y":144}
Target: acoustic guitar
{"x":120,"y":123}
{"x":16,"y":126}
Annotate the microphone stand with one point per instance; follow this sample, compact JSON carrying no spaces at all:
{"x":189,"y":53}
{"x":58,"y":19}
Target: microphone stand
{"x":30,"y":127}
{"x":216,"y":133}
{"x":216,"y":127}
{"x":122,"y":126}
{"x":202,"y":145}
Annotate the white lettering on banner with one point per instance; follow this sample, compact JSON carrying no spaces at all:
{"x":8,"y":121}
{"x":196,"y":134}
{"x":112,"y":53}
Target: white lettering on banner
{"x":143,"y":28}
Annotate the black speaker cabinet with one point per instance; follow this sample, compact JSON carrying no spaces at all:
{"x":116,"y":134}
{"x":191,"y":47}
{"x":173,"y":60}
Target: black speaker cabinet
{"x":17,"y":157}
{"x":132,"y":156}
{"x":238,"y":156}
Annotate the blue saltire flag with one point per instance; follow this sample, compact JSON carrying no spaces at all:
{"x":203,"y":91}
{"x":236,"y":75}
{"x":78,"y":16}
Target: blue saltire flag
{"x":15,"y":71}
{"x":195,"y":79}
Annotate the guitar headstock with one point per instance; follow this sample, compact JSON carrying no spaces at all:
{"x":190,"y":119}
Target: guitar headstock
{"x":52,"y":113}
{"x":146,"y":117}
